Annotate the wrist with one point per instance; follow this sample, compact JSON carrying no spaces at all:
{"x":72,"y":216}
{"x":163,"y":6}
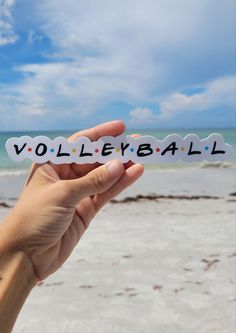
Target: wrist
{"x":17,"y":278}
{"x":17,"y":266}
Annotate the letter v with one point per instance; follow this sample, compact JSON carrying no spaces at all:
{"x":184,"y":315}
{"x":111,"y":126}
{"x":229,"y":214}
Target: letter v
{"x":18,"y":151}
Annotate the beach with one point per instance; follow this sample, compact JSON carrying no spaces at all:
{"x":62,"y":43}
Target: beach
{"x":159,"y":258}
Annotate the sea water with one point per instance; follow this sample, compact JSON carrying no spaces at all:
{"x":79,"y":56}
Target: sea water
{"x":9,"y":167}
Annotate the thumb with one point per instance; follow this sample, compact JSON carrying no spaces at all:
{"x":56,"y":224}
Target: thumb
{"x":97,"y":181}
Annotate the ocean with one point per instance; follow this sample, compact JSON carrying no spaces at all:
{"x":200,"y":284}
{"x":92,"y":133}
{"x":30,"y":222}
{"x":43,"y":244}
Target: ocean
{"x":9,"y":167}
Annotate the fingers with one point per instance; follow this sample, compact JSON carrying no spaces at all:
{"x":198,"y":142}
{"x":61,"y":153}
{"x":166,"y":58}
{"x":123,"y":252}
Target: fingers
{"x":74,"y":170}
{"x":97,"y":181}
{"x":128,"y":178}
{"x":115,"y":127}
{"x":112,"y":128}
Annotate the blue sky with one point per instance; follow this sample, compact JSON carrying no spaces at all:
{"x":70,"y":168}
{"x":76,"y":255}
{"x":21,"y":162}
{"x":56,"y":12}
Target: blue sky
{"x":154,"y":64}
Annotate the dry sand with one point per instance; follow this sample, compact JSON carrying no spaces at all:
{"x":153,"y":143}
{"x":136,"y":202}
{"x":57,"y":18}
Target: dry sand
{"x":150,"y":265}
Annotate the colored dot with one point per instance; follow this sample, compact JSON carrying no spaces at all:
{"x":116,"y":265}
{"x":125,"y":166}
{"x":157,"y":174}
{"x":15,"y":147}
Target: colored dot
{"x":132,"y":150}
{"x":158,"y":150}
{"x":117,"y":150}
{"x":29,"y":149}
{"x":96,"y":150}
{"x":182,"y":148}
{"x":206,"y":148}
{"x":52,"y":150}
{"x":74,"y":150}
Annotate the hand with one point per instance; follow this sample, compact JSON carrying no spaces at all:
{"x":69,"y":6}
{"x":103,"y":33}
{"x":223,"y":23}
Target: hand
{"x":59,"y":201}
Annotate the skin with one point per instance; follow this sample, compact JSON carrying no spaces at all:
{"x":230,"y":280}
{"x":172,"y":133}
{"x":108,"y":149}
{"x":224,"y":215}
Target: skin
{"x":55,"y":208}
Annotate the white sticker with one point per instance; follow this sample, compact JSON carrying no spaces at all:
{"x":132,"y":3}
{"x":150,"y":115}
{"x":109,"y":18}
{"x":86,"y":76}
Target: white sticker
{"x":144,"y":149}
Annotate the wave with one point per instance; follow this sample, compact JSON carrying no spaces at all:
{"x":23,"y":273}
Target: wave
{"x":157,"y":167}
{"x":195,"y":165}
{"x":4,"y":173}
{"x":217,"y":165}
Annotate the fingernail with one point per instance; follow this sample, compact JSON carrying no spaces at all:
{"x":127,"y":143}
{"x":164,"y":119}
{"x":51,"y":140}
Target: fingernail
{"x":115,"y":168}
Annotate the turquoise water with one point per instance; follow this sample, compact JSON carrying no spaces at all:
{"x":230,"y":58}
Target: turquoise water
{"x":9,"y":167}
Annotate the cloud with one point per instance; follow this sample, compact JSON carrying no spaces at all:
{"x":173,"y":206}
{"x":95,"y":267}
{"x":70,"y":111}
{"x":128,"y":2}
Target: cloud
{"x":102,"y":52}
{"x":215,"y":94}
{"x":142,"y":116}
{"x":7,"y":34}
{"x":219,"y":93}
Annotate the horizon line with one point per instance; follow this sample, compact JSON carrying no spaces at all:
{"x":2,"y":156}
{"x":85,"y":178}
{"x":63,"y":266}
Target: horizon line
{"x":128,"y":129}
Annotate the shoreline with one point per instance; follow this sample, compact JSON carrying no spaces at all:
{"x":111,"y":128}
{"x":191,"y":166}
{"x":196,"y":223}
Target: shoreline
{"x":182,"y":184}
{"x":159,"y":258}
{"x":212,"y":181}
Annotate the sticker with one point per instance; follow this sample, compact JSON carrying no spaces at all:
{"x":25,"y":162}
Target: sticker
{"x":144,"y":149}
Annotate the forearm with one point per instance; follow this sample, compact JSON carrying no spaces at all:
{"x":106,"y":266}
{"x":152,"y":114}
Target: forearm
{"x":17,"y":279}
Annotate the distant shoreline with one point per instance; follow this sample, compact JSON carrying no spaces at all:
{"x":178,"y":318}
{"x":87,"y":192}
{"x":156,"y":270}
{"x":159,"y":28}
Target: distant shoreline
{"x":127,"y":130}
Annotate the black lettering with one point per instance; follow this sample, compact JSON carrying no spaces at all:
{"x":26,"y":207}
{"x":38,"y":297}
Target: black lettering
{"x":193,"y":152}
{"x":124,"y":147}
{"x":172,"y":147}
{"x":214,"y":151}
{"x":144,"y":150}
{"x":43,"y":150}
{"x":18,"y":151}
{"x":60,"y":154}
{"x":82,"y":154}
{"x":106,"y":148}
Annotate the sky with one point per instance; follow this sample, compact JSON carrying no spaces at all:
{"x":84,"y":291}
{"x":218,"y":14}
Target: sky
{"x":152,"y":63}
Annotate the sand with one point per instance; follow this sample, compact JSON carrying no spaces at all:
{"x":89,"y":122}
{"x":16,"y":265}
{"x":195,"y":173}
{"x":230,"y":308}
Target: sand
{"x":156,"y":264}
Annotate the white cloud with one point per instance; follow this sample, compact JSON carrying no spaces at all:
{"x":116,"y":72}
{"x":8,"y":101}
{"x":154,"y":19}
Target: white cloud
{"x":217,"y":93}
{"x":214,"y":94}
{"x":7,"y":34}
{"x":142,"y":116}
{"x":131,"y":51}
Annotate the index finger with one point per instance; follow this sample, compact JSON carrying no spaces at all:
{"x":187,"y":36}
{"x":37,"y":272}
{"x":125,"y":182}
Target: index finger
{"x":112,"y":128}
